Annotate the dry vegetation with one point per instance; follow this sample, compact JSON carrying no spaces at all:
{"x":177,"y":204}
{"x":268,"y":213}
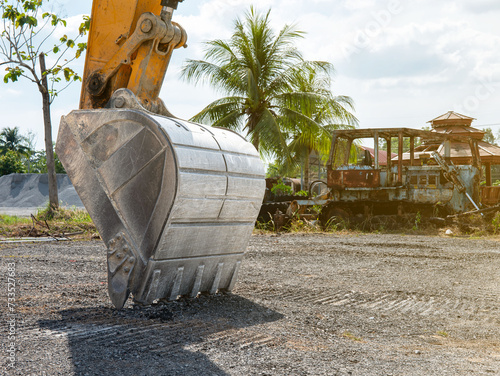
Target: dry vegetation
{"x":473,"y":225}
{"x":77,"y":223}
{"x":47,"y":223}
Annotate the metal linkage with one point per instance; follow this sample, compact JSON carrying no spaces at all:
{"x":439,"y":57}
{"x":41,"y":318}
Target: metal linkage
{"x":450,"y":172}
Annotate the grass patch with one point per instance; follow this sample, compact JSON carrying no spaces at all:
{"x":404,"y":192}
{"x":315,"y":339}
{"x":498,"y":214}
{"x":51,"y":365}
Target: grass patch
{"x":264,"y":227}
{"x":301,"y":225}
{"x":60,"y":222}
{"x":471,"y":226}
{"x":351,"y":336}
{"x":71,"y":215}
{"x":8,"y":220}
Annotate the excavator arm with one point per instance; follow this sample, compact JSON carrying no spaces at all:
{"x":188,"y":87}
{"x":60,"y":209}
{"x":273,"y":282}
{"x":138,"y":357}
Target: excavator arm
{"x":130,"y":45}
{"x":175,"y":202}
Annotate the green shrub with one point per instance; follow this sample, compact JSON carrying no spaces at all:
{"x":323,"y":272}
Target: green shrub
{"x":10,"y":163}
{"x":496,"y":223}
{"x":281,"y":188}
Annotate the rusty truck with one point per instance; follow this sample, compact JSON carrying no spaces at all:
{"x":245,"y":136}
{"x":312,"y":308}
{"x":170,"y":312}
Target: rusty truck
{"x":421,"y":179}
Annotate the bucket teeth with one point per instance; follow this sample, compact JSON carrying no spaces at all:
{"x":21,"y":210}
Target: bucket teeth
{"x":117,"y":290}
{"x":121,"y":264}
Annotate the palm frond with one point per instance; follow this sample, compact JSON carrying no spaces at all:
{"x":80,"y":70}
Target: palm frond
{"x":272,"y":140}
{"x":200,"y":71}
{"x":282,"y":102}
{"x":225,"y":112}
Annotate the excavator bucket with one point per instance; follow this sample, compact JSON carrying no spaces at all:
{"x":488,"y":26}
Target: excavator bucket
{"x":175,"y":202}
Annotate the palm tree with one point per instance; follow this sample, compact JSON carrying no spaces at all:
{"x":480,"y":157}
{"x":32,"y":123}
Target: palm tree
{"x":11,"y":139}
{"x":257,"y":69}
{"x":327,"y":112}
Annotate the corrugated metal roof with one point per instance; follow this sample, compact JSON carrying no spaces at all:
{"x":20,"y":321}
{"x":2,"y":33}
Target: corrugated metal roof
{"x":382,"y":155}
{"x":459,"y":152}
{"x":395,"y":132}
{"x":451,"y":115}
{"x":460,"y":130}
{"x":451,"y":118}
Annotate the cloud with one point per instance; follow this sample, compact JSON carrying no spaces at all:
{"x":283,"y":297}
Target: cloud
{"x":423,"y":55}
{"x":416,"y":61}
{"x":395,"y":61}
{"x":481,"y":6}
{"x":358,"y":5}
{"x":10,"y":93}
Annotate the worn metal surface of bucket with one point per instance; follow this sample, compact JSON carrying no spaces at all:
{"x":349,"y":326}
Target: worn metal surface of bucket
{"x":174,"y":201}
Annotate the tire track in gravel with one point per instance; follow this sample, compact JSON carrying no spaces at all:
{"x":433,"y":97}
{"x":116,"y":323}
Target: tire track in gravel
{"x":157,"y":337}
{"x":401,"y":303}
{"x":241,"y":339}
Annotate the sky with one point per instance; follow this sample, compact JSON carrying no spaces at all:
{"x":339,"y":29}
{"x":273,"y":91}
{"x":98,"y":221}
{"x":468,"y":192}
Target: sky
{"x":402,"y":62}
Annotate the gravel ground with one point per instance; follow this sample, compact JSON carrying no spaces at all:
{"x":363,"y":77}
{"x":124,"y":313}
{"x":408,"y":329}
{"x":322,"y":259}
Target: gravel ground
{"x":304,"y":305}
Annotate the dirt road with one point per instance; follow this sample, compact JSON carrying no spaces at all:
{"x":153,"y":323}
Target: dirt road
{"x":304,"y":305}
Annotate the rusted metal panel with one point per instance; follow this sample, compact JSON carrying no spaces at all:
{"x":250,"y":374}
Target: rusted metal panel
{"x":312,"y":202}
{"x":381,"y":194}
{"x":339,"y":179}
{"x":423,"y":185}
{"x":430,"y":195}
{"x":466,"y":188}
{"x":426,"y":177}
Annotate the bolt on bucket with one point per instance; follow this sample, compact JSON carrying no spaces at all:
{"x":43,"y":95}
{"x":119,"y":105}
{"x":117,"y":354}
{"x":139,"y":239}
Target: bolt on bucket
{"x":175,"y":202}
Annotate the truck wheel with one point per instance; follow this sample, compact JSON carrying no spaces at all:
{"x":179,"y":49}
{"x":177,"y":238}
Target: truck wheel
{"x":268,"y":209}
{"x":333,"y":216}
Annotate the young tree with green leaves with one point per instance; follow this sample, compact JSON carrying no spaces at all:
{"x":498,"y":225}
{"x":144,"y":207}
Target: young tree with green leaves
{"x":257,"y":70}
{"x":27,"y":39}
{"x":39,"y":163}
{"x":489,"y":137}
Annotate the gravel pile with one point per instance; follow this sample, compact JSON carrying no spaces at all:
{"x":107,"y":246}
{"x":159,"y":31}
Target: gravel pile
{"x":32,"y":191}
